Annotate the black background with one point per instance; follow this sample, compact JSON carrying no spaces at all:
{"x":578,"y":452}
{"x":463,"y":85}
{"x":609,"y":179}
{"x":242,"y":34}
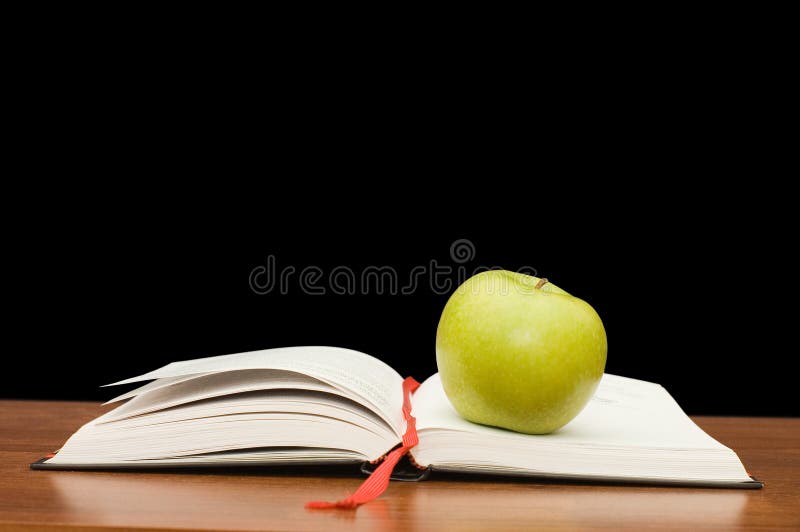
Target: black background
{"x":642,"y":184}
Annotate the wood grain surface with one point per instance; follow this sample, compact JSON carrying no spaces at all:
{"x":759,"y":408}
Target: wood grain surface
{"x":273,"y":499}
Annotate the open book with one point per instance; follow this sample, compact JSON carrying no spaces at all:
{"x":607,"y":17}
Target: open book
{"x":316,"y":405}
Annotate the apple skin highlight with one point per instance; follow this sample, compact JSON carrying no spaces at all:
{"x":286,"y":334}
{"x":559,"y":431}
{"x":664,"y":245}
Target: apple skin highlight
{"x":519,"y":353}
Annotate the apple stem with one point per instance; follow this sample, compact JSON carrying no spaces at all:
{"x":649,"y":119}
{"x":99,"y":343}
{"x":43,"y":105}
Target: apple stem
{"x":541,"y":283}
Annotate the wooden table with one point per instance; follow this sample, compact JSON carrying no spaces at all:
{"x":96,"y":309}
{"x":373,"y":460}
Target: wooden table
{"x":44,"y":500}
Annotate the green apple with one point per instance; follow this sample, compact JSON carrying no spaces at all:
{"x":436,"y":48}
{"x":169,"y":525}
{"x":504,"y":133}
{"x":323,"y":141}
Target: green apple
{"x":517,"y":352}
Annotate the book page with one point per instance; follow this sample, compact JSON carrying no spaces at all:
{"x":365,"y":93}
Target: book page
{"x":623,"y":411}
{"x":220,"y":386}
{"x":345,"y":369}
{"x":152,"y":386}
{"x":629,"y":430}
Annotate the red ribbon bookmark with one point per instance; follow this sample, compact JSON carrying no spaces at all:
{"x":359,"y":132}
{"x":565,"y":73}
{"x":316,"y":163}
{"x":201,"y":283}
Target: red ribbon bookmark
{"x":378,"y":481}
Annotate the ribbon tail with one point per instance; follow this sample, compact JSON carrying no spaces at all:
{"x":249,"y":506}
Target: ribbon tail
{"x":378,"y":481}
{"x":372,"y":488}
